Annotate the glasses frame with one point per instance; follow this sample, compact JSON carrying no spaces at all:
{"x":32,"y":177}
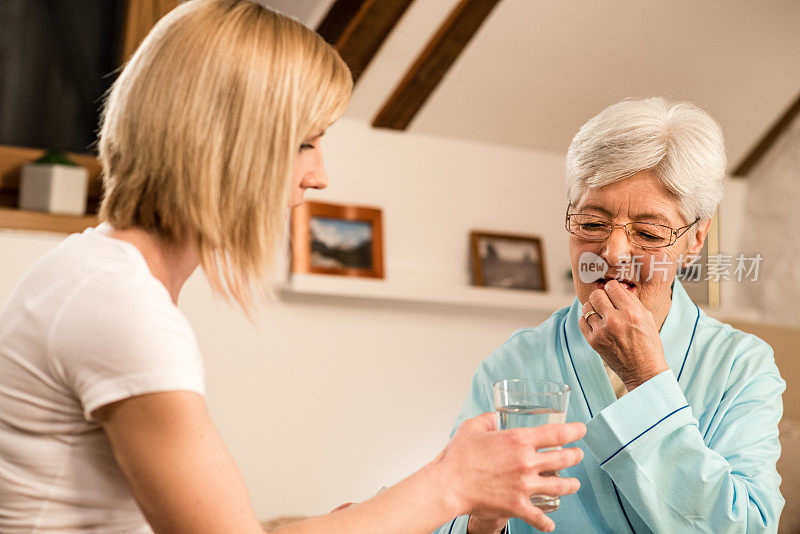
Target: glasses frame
{"x":675,"y":233}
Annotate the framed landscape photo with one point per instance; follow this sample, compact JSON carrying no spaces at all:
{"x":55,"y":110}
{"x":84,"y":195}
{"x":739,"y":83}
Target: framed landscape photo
{"x":337,"y":239}
{"x":508,"y":261}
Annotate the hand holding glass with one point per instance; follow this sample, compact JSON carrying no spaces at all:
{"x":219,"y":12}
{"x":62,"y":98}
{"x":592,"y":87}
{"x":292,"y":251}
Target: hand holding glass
{"x":523,"y":403}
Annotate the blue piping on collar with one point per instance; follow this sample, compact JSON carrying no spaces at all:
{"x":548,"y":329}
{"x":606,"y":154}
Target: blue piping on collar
{"x":696,"y":320}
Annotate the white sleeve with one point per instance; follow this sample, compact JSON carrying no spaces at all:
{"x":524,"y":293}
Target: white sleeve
{"x":119,"y":336}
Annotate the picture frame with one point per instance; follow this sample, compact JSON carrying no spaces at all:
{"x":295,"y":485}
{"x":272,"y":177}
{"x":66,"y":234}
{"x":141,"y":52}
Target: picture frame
{"x":337,"y":239}
{"x":509,"y":261}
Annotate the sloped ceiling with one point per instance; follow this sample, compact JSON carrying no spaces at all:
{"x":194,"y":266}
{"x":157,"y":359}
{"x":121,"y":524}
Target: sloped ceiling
{"x":538,"y":69}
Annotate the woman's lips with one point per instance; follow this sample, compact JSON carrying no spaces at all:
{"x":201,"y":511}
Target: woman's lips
{"x":601,"y":284}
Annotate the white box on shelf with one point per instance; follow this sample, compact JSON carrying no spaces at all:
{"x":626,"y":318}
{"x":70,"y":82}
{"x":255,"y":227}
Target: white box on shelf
{"x":53,"y":188}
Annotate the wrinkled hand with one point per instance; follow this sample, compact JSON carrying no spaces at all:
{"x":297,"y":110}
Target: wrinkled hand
{"x":624,"y":333}
{"x":492,"y":474}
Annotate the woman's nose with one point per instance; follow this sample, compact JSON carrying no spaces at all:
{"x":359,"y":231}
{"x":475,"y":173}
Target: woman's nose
{"x":316,"y":180}
{"x":316,"y":177}
{"x":617,"y":247}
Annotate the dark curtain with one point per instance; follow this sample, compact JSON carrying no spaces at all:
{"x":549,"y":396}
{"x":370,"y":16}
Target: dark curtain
{"x":57,"y":59}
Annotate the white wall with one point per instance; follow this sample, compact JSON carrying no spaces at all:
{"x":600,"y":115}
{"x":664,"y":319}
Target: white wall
{"x":771,"y":230}
{"x":326,"y":400}
{"x":731,"y":223}
{"x":333,"y":399}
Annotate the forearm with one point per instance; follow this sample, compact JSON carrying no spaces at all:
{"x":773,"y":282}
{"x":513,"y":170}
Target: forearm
{"x":418,"y":504}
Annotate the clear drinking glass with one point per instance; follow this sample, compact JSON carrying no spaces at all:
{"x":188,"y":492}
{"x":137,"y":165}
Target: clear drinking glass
{"x":521,"y":403}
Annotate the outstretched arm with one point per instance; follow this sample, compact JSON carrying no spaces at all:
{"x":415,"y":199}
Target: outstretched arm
{"x":177,"y":466}
{"x":184,"y":479}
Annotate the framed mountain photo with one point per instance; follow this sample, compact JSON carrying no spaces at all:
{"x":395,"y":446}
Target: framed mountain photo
{"x":337,"y":239}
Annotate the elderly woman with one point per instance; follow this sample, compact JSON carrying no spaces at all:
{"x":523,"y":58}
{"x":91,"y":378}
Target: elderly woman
{"x":681,"y":410}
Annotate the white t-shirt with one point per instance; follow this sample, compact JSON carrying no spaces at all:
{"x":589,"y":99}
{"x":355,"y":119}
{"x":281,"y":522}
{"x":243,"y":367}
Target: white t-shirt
{"x":88,"y":325}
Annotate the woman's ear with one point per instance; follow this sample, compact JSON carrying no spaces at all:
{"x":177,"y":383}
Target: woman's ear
{"x":698,"y":236}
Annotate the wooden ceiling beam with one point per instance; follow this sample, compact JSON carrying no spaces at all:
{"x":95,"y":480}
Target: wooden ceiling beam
{"x":768,"y":139}
{"x":358,"y":28}
{"x":140,"y":17}
{"x":338,"y":17}
{"x":433,"y":63}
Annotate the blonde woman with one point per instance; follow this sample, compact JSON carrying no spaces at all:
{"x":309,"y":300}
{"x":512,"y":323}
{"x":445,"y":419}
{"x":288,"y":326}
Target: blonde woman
{"x":211,"y":130}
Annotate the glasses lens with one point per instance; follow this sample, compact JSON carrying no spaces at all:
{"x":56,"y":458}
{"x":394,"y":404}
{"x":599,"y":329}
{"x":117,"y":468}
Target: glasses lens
{"x":589,"y":227}
{"x":650,"y":235}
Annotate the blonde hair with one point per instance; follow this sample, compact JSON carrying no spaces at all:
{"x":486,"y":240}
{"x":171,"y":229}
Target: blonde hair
{"x":200,"y":132}
{"x":678,"y":141}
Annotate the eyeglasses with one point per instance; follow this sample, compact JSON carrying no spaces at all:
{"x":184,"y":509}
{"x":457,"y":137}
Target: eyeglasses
{"x":641,"y":234}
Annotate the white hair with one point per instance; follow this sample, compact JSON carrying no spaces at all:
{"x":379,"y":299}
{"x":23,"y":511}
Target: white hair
{"x":677,"y":141}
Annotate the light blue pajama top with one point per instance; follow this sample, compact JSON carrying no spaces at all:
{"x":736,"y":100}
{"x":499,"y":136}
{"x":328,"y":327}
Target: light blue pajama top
{"x":691,"y":450}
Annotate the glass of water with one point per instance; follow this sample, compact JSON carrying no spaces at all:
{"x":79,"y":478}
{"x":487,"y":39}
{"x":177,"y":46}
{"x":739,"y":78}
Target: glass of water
{"x":521,"y":403}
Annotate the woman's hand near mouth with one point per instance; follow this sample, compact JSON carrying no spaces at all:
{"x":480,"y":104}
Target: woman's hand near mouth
{"x":624,"y":333}
{"x":630,"y":286}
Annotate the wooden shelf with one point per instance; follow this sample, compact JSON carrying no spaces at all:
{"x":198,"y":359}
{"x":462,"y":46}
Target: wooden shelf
{"x":460,"y":296}
{"x":12,"y":158}
{"x":15,"y":219}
